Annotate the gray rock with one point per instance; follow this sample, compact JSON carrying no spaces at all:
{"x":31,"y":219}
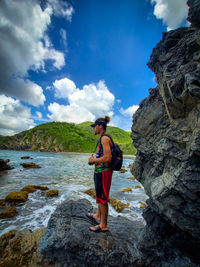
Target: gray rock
{"x":166,"y":133}
{"x":69,"y":242}
{"x":194,"y":12}
{"x":4,"y":165}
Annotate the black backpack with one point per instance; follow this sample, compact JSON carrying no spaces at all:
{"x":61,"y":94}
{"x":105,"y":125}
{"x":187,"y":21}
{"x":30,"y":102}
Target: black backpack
{"x":116,"y":154}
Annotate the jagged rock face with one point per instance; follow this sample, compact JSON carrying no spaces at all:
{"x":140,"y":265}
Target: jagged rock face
{"x":194,"y":12}
{"x":166,"y":129}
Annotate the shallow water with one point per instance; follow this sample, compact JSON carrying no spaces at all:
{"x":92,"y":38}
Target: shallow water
{"x":71,"y":175}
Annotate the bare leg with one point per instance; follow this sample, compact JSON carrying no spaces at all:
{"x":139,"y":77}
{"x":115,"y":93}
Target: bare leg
{"x":104,"y":216}
{"x":97,"y":216}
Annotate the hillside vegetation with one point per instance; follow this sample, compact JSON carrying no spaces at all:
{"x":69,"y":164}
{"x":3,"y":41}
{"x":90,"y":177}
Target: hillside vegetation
{"x":64,"y":137}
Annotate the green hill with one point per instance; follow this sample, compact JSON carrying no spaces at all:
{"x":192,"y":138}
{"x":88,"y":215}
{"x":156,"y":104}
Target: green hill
{"x":64,"y":137}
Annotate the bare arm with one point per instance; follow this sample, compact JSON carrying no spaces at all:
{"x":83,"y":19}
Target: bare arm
{"x":106,"y":143}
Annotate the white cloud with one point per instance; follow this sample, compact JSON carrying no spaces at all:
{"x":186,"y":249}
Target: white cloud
{"x":15,"y":117}
{"x":94,"y":100}
{"x":64,"y":87}
{"x":172,"y":12}
{"x":39,"y":114}
{"x":63,"y":34}
{"x":24,"y":46}
{"x":69,"y":113}
{"x":61,"y":9}
{"x":129,"y":111}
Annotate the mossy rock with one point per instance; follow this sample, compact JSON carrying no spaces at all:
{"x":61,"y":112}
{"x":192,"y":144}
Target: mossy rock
{"x":123,"y":170}
{"x":132,"y":178}
{"x":29,"y":188}
{"x":2,"y":203}
{"x":130,"y":165}
{"x":29,"y":165}
{"x":118,"y":205}
{"x":142,"y":205}
{"x":52,"y":193}
{"x":138,"y":186}
{"x":32,"y":188}
{"x":17,"y":197}
{"x":26,"y":157}
{"x":91,"y":192}
{"x":9,"y":213}
{"x":126,"y":190}
{"x":40,"y":187}
{"x":18,"y":248}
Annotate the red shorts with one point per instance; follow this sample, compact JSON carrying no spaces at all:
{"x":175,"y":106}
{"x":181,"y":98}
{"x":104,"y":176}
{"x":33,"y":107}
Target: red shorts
{"x":102,"y":182}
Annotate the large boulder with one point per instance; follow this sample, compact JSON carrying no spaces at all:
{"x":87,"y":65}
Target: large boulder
{"x":69,"y":242}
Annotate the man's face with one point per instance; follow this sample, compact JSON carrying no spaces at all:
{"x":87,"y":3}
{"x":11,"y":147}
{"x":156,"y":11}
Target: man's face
{"x":96,"y":129}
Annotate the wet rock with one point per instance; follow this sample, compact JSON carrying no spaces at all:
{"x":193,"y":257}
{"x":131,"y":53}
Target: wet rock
{"x":142,"y":205}
{"x":30,"y":165}
{"x":2,"y":203}
{"x":118,"y":205}
{"x":18,"y":248}
{"x":32,"y":188}
{"x":4,"y":166}
{"x":91,"y":192}
{"x":126,"y":190}
{"x":8,"y":213}
{"x":138,"y":186}
{"x":17,"y":197}
{"x":26,"y":157}
{"x":68,"y":241}
{"x":52,"y":193}
{"x":132,"y":178}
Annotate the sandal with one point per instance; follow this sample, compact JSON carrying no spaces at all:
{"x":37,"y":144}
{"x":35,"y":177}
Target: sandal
{"x":97,"y":229}
{"x":90,"y":216}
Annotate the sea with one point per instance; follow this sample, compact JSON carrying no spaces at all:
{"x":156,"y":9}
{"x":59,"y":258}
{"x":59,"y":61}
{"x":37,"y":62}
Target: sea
{"x":71,"y":175}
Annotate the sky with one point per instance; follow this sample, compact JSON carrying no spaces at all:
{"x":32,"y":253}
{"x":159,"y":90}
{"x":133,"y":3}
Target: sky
{"x":78,"y":60}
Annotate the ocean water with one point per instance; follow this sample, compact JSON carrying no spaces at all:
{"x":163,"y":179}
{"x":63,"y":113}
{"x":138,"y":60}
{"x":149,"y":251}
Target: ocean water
{"x":71,"y":175}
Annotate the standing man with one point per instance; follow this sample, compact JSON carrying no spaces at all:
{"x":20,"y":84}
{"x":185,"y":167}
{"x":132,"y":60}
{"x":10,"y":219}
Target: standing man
{"x":102,"y":174}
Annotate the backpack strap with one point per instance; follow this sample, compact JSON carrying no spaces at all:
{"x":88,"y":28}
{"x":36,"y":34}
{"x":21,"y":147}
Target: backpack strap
{"x":105,"y":134}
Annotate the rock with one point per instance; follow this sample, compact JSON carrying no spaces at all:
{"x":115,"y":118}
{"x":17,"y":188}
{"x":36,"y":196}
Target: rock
{"x":52,"y":193}
{"x":68,"y":241}
{"x":132,"y":178}
{"x":91,"y":192}
{"x":194,"y":11}
{"x":9,"y":213}
{"x":142,"y":205}
{"x":40,"y":187}
{"x":166,"y":134}
{"x":30,"y":165}
{"x":4,"y":166}
{"x":26,"y":157}
{"x":2,"y":203}
{"x":118,"y":205}
{"x":32,"y":188}
{"x":17,"y":197}
{"x":138,"y":186}
{"x":29,"y":188}
{"x":123,"y":170}
{"x":126,"y":190}
{"x":18,"y":248}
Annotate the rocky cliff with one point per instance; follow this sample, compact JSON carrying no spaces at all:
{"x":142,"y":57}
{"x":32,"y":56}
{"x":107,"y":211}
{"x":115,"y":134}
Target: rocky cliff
{"x":166,"y":133}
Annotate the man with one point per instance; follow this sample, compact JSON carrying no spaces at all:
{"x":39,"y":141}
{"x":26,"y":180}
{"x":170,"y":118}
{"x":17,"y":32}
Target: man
{"x":102,"y":175}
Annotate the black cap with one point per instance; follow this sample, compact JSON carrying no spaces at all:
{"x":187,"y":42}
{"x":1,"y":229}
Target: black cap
{"x":98,"y":123}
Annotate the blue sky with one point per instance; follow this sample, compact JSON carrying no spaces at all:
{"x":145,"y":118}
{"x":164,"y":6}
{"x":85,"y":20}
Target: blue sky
{"x":78,"y":60}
